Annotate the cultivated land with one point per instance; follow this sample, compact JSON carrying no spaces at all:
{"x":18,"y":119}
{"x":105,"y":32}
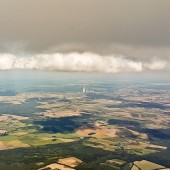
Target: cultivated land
{"x":125,"y":129}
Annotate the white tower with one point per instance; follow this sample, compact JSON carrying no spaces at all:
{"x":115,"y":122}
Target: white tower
{"x":84,"y":89}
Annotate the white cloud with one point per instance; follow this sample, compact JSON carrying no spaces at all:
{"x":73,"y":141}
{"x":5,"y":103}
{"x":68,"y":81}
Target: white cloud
{"x":85,"y":62}
{"x":156,"y":64}
{"x":7,"y":61}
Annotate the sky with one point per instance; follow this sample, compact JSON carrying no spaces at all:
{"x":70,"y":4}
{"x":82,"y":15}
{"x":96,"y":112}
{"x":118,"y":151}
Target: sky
{"x":85,"y":35}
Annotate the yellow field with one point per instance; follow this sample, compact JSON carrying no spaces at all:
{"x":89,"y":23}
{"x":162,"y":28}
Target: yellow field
{"x":58,"y":114}
{"x":16,"y":144}
{"x":71,"y":161}
{"x":2,"y":146}
{"x":64,"y":164}
{"x":146,"y":165}
{"x":55,"y":166}
{"x":102,"y":132}
{"x":20,"y":133}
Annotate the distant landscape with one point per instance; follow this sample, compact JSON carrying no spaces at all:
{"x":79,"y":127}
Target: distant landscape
{"x":82,"y":123}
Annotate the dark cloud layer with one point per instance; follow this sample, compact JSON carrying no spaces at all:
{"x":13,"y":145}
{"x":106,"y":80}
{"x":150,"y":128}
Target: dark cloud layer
{"x":43,"y":25}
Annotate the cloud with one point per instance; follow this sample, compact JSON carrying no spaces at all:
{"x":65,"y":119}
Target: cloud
{"x":80,"y":62}
{"x":157,"y":64}
{"x":40,"y":26}
{"x":7,"y":61}
{"x":137,"y":30}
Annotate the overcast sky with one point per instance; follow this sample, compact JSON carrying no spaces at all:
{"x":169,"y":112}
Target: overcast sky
{"x":136,"y":29}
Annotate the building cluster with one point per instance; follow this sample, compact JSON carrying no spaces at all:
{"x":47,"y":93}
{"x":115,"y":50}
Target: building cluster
{"x":87,"y":91}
